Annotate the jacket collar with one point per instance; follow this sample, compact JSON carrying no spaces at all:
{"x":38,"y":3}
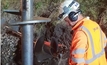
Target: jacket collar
{"x":78,"y":24}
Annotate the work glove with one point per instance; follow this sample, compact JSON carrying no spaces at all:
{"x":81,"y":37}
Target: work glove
{"x":51,"y":49}
{"x":39,"y":45}
{"x":40,"y":54}
{"x":54,"y":46}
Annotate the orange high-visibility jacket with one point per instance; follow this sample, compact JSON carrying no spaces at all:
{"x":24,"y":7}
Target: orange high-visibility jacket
{"x":87,"y":47}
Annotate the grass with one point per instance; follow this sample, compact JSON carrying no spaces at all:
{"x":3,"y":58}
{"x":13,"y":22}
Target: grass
{"x":5,"y":4}
{"x":93,"y":8}
{"x":9,"y":4}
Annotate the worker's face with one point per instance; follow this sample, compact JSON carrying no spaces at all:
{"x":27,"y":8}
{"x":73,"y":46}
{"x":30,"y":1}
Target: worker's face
{"x":69,"y":22}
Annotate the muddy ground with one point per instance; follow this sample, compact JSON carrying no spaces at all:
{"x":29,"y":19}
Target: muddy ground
{"x":11,"y":36}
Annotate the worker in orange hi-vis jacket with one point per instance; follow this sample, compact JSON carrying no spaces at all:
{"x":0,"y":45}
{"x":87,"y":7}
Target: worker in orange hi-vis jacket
{"x":89,"y":41}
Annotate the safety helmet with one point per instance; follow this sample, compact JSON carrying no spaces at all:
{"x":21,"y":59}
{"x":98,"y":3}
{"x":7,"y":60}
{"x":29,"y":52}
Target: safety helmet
{"x":66,"y":7}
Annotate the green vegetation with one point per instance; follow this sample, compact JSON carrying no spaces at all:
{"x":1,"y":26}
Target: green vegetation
{"x":94,"y":8}
{"x":5,"y":4}
{"x":9,"y":4}
{"x":41,"y":6}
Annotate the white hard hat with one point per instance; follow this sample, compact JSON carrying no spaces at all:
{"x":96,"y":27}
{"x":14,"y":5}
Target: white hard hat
{"x":68,"y":6}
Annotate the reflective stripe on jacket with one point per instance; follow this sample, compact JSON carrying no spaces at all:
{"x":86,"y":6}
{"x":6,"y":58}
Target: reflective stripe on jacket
{"x":88,"y":44}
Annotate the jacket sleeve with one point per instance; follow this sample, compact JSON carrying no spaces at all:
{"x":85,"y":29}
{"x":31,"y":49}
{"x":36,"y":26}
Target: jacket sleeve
{"x":78,"y":48}
{"x":105,"y":39}
{"x":105,"y":43}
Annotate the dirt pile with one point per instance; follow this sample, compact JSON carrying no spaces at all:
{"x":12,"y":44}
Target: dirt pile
{"x":8,"y":47}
